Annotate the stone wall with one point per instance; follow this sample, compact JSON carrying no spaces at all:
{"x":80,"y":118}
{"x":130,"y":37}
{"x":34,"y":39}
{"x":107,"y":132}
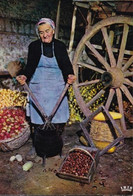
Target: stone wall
{"x":15,"y":36}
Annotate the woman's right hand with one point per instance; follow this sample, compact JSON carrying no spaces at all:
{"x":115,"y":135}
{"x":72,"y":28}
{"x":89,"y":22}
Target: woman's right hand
{"x":21,"y":79}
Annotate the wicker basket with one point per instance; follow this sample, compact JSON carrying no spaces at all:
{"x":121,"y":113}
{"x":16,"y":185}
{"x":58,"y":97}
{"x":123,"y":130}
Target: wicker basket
{"x":93,"y":153}
{"x":16,"y":142}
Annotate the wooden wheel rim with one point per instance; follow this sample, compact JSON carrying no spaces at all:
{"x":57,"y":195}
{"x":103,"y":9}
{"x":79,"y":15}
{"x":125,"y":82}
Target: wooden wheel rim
{"x":118,"y":85}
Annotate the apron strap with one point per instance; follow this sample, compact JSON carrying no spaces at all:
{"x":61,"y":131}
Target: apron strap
{"x":42,"y":48}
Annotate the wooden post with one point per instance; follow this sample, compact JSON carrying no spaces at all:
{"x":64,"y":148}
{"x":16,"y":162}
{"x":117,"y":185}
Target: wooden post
{"x":72,"y":29}
{"x":88,"y":20}
{"x":57,"y":20}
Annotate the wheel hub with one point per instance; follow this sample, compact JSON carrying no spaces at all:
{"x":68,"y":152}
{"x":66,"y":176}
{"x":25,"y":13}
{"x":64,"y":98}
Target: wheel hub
{"x":106,"y":78}
{"x":117,"y":77}
{"x":114,"y":78}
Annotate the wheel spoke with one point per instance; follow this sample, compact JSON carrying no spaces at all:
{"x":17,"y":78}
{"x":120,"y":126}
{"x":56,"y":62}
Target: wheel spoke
{"x":128,"y":73}
{"x":115,"y":50}
{"x":123,"y":45}
{"x":107,"y":42}
{"x":91,"y":67}
{"x":121,"y":110}
{"x":98,"y":55}
{"x":110,"y":97}
{"x":88,"y":83}
{"x":95,"y":97}
{"x":128,"y":82}
{"x":128,"y":63}
{"x":127,"y":93}
{"x":111,"y":37}
{"x":81,"y":102}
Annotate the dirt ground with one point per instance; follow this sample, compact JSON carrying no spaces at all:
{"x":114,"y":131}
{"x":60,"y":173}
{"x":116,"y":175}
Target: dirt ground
{"x":113,"y":172}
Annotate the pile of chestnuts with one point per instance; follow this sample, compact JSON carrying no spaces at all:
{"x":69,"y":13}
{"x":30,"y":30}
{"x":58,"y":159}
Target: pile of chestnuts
{"x":77,"y":163}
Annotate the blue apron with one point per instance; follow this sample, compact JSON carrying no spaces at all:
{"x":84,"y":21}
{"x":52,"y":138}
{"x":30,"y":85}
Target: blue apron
{"x":47,"y":84}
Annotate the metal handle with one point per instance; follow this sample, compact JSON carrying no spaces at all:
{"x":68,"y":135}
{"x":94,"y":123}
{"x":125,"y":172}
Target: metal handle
{"x":59,"y":101}
{"x":35,"y":101}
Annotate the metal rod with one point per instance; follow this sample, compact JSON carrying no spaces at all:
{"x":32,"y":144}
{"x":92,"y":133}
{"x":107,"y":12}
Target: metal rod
{"x":59,"y":101}
{"x":26,"y":87}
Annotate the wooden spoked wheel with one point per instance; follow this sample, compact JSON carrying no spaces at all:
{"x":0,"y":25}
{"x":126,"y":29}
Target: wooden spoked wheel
{"x":105,"y":53}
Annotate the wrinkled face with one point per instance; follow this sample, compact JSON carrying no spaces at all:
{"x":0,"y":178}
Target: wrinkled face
{"x":46,"y":33}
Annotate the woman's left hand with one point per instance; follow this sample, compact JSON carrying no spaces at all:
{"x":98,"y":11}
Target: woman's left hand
{"x":71,"y":79}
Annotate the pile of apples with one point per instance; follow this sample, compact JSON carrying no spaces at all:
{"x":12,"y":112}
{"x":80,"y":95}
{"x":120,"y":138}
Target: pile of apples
{"x":12,"y":122}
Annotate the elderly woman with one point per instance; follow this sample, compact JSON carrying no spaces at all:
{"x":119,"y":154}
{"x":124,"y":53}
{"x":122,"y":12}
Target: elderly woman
{"x":48,"y":69}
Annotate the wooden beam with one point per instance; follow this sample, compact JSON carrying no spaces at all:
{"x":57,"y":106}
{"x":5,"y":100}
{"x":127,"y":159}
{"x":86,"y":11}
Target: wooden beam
{"x":72,"y":29}
{"x":57,"y":20}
